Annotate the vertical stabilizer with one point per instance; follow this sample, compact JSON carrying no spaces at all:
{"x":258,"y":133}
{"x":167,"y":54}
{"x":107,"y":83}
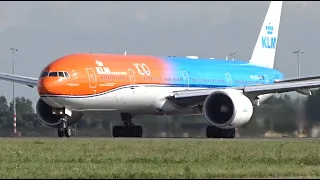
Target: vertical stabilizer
{"x":265,"y":49}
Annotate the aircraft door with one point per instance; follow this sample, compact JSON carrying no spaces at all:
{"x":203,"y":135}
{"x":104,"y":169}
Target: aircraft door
{"x":185,"y":78}
{"x":266,"y":78}
{"x":131,"y":76}
{"x":229,"y":79}
{"x":92,"y":78}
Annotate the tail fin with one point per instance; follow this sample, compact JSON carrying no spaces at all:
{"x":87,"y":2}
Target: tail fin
{"x":265,"y":49}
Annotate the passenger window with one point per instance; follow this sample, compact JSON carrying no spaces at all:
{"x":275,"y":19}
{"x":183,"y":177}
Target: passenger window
{"x":66,"y":74}
{"x":53,"y":74}
{"x":61,"y":74}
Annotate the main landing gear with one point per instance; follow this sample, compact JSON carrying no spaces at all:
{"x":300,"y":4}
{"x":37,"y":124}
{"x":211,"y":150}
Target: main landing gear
{"x":215,"y":132}
{"x":128,"y":129}
{"x":63,"y":129}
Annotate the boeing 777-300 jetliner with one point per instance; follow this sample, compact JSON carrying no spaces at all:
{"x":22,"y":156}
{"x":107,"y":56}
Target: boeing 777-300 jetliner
{"x":225,"y":92}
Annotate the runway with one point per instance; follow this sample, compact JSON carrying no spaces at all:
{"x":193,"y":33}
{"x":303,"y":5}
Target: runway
{"x":161,"y":139}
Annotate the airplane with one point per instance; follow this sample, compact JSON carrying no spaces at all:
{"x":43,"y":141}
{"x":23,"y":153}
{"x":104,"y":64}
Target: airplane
{"x":225,"y":92}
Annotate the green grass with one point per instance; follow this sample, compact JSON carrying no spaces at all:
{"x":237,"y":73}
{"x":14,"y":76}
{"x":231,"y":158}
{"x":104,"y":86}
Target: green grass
{"x":158,"y":158}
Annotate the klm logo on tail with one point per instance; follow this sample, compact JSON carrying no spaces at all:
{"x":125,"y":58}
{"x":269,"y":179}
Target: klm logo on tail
{"x":269,"y":41}
{"x":269,"y":29}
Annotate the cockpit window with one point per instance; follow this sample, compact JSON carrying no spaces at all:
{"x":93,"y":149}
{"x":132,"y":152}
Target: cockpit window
{"x":44,"y":74}
{"x":56,"y":74}
{"x":61,"y":74}
{"x":66,"y":74}
{"x":53,"y":74}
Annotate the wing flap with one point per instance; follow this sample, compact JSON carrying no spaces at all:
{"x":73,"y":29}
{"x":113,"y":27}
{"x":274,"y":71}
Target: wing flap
{"x":282,"y":87}
{"x":305,"y":78}
{"x":29,"y":81}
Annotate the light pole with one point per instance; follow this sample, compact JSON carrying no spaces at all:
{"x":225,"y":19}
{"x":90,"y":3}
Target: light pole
{"x":299,"y":117}
{"x":298,"y":52}
{"x":14,"y":99}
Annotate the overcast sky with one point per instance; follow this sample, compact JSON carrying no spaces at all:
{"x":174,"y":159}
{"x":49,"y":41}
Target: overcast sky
{"x":44,"y":31}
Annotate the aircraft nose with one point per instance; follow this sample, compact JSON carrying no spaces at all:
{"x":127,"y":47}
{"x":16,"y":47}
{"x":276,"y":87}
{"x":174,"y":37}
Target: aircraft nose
{"x":49,"y":85}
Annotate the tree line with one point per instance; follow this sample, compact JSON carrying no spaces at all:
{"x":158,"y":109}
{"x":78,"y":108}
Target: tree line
{"x":280,"y":113}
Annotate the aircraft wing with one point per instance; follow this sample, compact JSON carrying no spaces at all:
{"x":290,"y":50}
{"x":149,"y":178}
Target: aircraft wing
{"x":300,"y":78}
{"x":197,"y":96}
{"x":29,"y":81}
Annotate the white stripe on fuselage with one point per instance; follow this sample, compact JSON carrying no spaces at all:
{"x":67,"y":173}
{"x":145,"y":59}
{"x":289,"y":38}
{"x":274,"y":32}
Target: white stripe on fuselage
{"x":142,"y":99}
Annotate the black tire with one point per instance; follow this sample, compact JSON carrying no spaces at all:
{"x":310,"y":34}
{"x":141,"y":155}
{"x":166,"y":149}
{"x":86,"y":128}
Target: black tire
{"x":60,"y":132}
{"x":67,"y":131}
{"x":232,"y":133}
{"x":209,"y":132}
{"x":215,"y":132}
{"x":129,"y":131}
{"x":116,"y":131}
{"x":137,"y":132}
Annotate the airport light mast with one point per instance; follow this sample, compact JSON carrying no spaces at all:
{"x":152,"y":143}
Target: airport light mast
{"x":13,"y":94}
{"x":300,"y":118}
{"x":298,"y":52}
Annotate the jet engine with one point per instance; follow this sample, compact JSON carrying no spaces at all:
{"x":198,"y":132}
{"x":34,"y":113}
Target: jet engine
{"x":49,"y":119}
{"x":227,"y":109}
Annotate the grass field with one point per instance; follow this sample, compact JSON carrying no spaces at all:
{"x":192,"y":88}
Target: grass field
{"x":158,"y":158}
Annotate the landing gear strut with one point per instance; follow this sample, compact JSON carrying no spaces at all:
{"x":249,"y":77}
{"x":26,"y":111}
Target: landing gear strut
{"x":215,"y":132}
{"x":63,"y":129}
{"x":128,"y":129}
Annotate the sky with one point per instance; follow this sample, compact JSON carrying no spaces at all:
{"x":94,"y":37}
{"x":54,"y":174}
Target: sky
{"x":45,"y":31}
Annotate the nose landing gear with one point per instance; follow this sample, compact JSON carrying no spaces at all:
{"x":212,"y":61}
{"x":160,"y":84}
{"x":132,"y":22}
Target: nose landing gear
{"x":63,"y":129}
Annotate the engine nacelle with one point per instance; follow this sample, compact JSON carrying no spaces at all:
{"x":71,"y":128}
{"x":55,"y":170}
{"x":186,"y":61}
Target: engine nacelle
{"x":227,"y":109}
{"x":49,"y":119}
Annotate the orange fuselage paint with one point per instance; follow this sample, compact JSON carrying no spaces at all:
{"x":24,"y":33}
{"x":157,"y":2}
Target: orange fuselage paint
{"x":97,"y":73}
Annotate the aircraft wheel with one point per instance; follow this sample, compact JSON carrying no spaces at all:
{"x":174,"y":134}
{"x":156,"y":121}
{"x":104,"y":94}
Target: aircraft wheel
{"x":129,"y":131}
{"x":116,"y":131}
{"x":60,"y":132}
{"x":137,"y":131}
{"x":68,"y":131}
{"x":215,"y":132}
